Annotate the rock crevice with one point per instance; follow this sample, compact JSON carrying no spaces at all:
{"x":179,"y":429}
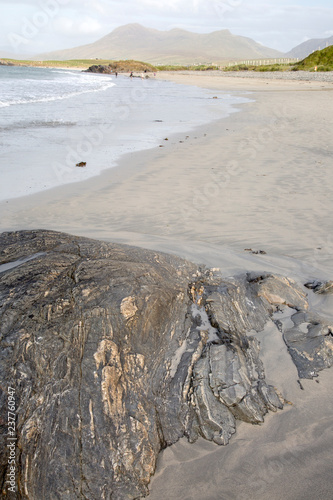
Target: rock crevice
{"x":116,"y":352}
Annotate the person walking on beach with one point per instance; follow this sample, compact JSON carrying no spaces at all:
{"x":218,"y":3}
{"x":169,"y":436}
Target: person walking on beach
{"x":131,"y":75}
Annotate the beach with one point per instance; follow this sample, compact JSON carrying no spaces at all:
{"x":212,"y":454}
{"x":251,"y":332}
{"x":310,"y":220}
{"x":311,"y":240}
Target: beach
{"x":249,"y":191}
{"x":258,"y":179}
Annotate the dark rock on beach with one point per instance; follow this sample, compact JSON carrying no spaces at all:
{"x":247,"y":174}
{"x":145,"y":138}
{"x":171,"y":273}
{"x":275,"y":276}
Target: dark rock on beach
{"x":115,"y":352}
{"x":100,"y":68}
{"x":320,"y":287}
{"x":127,"y":66}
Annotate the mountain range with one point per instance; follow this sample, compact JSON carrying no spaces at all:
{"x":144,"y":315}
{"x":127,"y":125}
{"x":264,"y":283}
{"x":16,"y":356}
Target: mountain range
{"x":306,"y":48}
{"x":134,"y":41}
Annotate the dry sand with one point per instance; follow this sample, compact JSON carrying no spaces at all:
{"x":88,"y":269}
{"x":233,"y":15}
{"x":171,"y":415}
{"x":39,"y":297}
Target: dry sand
{"x":262,"y":179}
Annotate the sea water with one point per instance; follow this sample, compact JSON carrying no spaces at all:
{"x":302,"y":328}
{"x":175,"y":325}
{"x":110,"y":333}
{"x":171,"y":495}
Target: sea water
{"x":53,"y":119}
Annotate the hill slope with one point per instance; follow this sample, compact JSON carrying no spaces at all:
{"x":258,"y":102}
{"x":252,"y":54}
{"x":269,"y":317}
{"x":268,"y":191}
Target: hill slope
{"x":304,"y":49}
{"x":322,"y":59}
{"x":134,"y":41}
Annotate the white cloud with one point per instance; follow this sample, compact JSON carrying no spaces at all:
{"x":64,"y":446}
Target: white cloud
{"x":280,"y":25}
{"x":66,"y":26}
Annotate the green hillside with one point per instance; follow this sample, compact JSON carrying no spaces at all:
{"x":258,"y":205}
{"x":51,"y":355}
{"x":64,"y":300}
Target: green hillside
{"x":323,"y":59}
{"x":120,"y":66}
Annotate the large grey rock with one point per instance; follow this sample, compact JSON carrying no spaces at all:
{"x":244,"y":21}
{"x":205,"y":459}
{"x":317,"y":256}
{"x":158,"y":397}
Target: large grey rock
{"x":88,"y":330}
{"x":310,"y":343}
{"x":115,"y":352}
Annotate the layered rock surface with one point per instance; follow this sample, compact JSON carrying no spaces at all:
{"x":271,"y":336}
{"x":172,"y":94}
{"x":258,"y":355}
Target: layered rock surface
{"x":116,"y":352}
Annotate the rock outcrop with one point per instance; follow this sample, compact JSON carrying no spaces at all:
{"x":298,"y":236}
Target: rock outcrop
{"x":116,"y":352}
{"x":100,"y":68}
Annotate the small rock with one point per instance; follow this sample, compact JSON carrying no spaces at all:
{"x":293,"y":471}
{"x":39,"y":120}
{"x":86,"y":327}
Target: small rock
{"x":320,"y":286}
{"x":255,"y":252}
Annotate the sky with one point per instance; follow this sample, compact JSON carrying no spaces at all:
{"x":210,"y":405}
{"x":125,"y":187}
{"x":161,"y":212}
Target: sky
{"x":36,"y":26}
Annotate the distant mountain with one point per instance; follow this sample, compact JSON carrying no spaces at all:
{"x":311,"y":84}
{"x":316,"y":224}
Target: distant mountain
{"x":134,"y":41}
{"x":306,"y":48}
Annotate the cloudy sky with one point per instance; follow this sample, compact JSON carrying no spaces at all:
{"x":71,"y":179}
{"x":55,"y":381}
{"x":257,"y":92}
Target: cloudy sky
{"x":37,"y":26}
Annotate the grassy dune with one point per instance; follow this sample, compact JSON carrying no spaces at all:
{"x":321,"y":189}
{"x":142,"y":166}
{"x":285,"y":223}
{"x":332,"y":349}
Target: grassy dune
{"x":263,"y":68}
{"x":120,"y":66}
{"x":129,"y":65}
{"x":322,"y":59}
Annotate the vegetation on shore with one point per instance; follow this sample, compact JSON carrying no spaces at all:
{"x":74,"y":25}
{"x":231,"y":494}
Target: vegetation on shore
{"x":125,"y":66}
{"x":120,"y":66}
{"x":193,"y":67}
{"x":321,"y":60}
{"x":262,"y":68}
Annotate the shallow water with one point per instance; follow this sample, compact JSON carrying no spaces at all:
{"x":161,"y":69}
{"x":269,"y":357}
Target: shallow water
{"x":52,"y":119}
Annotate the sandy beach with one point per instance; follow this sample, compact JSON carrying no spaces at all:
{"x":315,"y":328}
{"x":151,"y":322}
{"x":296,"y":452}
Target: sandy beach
{"x":258,"y":180}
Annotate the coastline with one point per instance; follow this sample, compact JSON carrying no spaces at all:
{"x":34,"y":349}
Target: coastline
{"x":120,"y":116}
{"x":236,"y":183}
{"x":258,"y":179}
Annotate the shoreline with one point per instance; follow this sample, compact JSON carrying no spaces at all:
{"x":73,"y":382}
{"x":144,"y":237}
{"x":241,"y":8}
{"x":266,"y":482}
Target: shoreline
{"x":124,"y":199}
{"x":126,"y":123}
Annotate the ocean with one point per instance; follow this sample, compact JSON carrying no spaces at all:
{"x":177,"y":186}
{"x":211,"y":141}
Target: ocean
{"x":52,"y":119}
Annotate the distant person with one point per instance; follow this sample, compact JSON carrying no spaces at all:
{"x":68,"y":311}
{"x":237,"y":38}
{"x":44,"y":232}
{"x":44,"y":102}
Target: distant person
{"x":131,"y":75}
{"x":116,"y":74}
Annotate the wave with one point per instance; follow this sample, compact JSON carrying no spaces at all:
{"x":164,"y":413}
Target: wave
{"x":65,"y":71}
{"x":37,"y":124}
{"x":36,"y":99}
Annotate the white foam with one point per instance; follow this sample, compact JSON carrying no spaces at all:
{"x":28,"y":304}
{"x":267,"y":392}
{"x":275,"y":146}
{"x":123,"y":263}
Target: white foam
{"x":50,"y":98}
